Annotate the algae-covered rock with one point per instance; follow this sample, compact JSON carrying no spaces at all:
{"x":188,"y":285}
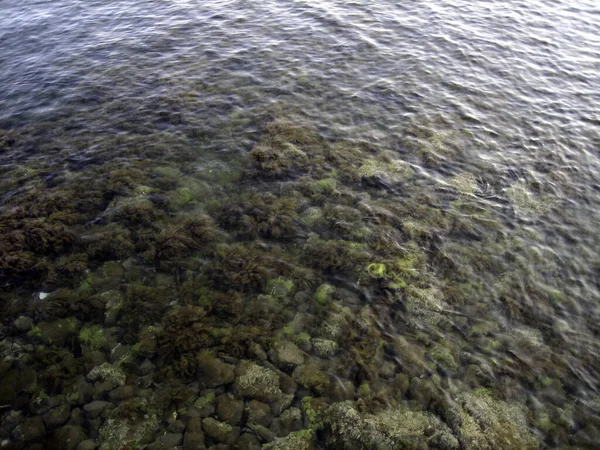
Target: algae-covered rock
{"x":312,"y":377}
{"x":213,"y":372}
{"x":324,"y":347}
{"x":57,"y":332}
{"x":396,"y":428}
{"x":122,"y":433}
{"x":299,"y":440}
{"x":108,"y":373}
{"x":488,"y":423}
{"x":219,"y":431}
{"x":230,"y":409}
{"x":286,"y":355}
{"x":394,"y":170}
{"x":259,"y":413}
{"x":257,"y":382}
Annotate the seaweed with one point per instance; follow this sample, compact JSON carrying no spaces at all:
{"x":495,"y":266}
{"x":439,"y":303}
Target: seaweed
{"x":237,"y":267}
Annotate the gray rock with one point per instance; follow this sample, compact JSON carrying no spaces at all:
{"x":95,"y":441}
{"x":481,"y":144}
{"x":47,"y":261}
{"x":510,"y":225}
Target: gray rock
{"x":122,"y":393}
{"x":57,"y":416}
{"x":24,"y":323}
{"x":286,"y":355}
{"x":230,"y":409}
{"x":95,"y":408}
{"x":193,"y":441}
{"x":30,"y":430}
{"x":88,"y":444}
{"x":171,"y":439}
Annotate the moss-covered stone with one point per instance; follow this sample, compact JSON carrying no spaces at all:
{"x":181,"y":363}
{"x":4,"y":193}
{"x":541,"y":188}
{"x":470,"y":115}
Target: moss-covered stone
{"x":257,"y":382}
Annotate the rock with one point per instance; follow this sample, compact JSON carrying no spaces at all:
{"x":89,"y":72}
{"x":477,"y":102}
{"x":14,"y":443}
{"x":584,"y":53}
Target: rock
{"x":57,"y":416}
{"x":8,"y":421}
{"x":24,"y":323}
{"x":257,"y":382}
{"x":178,"y":426}
{"x":324,"y":347}
{"x":88,"y":444}
{"x":219,"y":431}
{"x":248,"y":442}
{"x":264,"y":433}
{"x":286,"y":355}
{"x":122,"y":393}
{"x":147,"y":367}
{"x":58,"y":332}
{"x":110,"y":374}
{"x":290,"y":420}
{"x":230,"y":409}
{"x":206,"y":405}
{"x":193,"y":441}
{"x":259,"y":413}
{"x":213,"y":372}
{"x":30,"y":430}
{"x":76,"y":417}
{"x":8,"y":388}
{"x":194,"y":425}
{"x":67,"y":438}
{"x":171,"y":439}
{"x":95,"y":408}
{"x":39,"y":405}
{"x":301,"y":440}
{"x":421,"y":391}
{"x":312,"y":377}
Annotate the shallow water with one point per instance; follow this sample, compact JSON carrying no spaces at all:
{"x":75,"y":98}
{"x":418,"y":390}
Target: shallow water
{"x":391,"y":209}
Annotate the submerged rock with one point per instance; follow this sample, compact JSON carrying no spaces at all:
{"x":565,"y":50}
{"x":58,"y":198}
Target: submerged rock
{"x":286,"y":355}
{"x":257,"y":382}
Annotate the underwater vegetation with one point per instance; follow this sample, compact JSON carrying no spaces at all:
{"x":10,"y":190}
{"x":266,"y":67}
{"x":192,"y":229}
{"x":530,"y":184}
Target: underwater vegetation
{"x":321,"y":294}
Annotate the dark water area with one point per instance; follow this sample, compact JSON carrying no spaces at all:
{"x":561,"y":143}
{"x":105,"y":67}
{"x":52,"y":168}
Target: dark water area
{"x":299,"y":224}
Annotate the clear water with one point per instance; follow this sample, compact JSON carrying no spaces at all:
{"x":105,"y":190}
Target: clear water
{"x":436,"y":163}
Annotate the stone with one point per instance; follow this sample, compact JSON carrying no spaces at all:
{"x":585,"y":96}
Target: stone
{"x":41,"y":405}
{"x":57,"y":416}
{"x":286,"y":355}
{"x":248,"y":441}
{"x":422,"y":391}
{"x":177,"y":426}
{"x":122,"y":393}
{"x":312,"y":377}
{"x":76,"y":417}
{"x":259,"y":413}
{"x":230,"y":409}
{"x":58,"y":332}
{"x":219,"y":431}
{"x":95,"y":408}
{"x":213,"y":372}
{"x":290,"y":420}
{"x":193,"y":440}
{"x":171,"y":439}
{"x":24,"y":323}
{"x":30,"y":430}
{"x":194,"y":425}
{"x":324,"y":347}
{"x":67,"y":438}
{"x":88,"y":444}
{"x":257,"y":382}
